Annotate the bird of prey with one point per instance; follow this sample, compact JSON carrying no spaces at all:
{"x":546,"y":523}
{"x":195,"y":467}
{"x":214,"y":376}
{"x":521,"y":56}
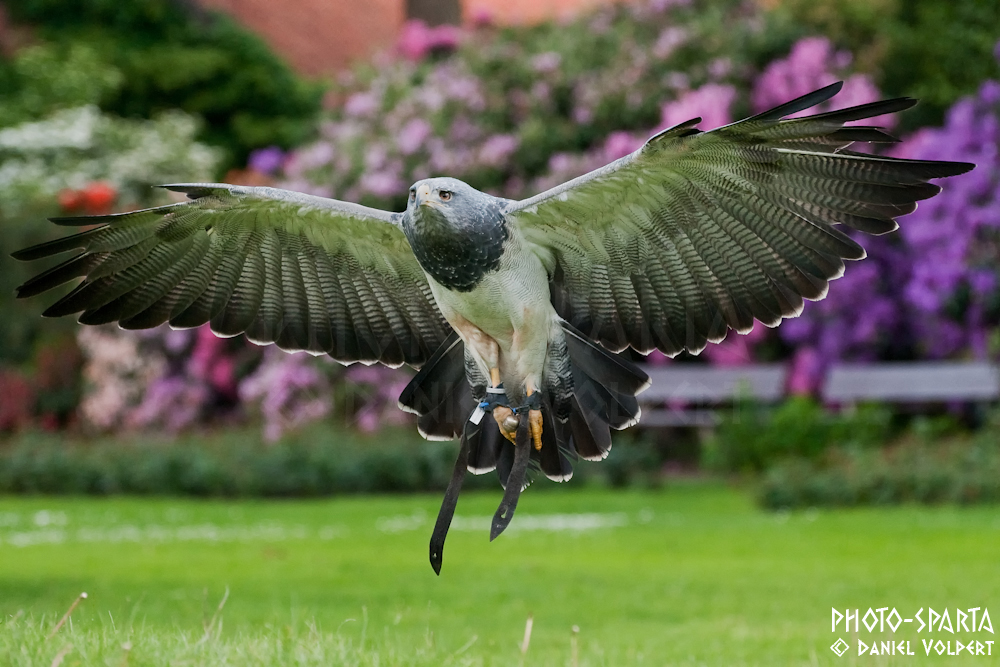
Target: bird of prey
{"x":512,"y":310}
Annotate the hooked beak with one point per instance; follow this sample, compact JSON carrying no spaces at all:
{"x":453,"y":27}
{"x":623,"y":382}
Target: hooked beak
{"x":424,"y":196}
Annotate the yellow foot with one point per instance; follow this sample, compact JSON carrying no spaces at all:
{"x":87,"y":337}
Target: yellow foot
{"x":507,"y":421}
{"x":535,"y":424}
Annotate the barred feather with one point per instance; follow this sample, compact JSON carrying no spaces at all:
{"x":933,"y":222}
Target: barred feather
{"x":696,"y":233}
{"x":303,"y":272}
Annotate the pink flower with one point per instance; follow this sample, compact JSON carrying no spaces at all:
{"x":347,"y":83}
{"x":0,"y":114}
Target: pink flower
{"x":736,"y":349}
{"x":806,"y":373}
{"x":495,"y":151}
{"x":413,"y":135}
{"x":382,"y":183}
{"x":668,"y":41}
{"x":547,"y":62}
{"x":481,"y":17}
{"x":361,"y":104}
{"x":711,"y":102}
{"x":620,"y":144}
{"x":417,"y":40}
{"x":812,"y":64}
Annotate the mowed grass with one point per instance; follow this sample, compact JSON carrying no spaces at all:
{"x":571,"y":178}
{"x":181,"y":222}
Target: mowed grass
{"x":688,"y":575}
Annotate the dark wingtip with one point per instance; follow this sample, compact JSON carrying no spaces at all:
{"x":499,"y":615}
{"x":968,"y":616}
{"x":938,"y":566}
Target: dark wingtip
{"x":79,"y":220}
{"x":961,"y":168}
{"x":436,"y":560}
{"x":800,"y":103}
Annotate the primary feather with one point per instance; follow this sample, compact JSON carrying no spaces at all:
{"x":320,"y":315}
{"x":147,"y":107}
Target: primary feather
{"x":304,"y":272}
{"x":696,"y":233}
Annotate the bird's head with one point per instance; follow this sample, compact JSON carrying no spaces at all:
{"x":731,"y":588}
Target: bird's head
{"x":446,"y":200}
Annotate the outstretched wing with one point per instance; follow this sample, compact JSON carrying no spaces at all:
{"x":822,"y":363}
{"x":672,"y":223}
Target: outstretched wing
{"x":697,"y":232}
{"x":304,"y":272}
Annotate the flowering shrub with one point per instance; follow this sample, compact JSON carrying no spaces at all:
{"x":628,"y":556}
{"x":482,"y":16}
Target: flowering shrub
{"x":514,"y":112}
{"x":80,"y":161}
{"x":75,"y":149}
{"x":930,"y":290}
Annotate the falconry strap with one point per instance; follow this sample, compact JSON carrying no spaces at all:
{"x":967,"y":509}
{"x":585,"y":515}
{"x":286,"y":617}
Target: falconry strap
{"x":495,"y":396}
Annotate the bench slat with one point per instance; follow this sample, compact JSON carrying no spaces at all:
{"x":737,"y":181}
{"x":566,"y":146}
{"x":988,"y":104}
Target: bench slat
{"x":714,"y":384}
{"x":912,"y":381}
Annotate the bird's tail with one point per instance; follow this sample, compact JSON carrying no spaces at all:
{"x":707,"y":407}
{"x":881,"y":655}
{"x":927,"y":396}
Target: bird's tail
{"x":588,"y":391}
{"x":439,"y":393}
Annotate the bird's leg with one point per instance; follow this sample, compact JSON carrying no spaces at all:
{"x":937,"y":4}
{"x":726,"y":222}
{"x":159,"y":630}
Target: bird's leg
{"x":534,"y":420}
{"x":504,"y":416}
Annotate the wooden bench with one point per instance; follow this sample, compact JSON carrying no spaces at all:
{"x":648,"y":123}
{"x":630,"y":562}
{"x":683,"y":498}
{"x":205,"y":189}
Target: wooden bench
{"x":912,"y":382}
{"x":703,"y":385}
{"x":698,"y":390}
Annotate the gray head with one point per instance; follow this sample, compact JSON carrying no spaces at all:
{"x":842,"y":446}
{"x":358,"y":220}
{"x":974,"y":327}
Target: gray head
{"x":447,"y":198}
{"x":456,"y":232}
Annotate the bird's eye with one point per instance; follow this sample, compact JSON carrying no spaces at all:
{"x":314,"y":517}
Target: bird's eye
{"x":444,"y":195}
{"x":413,"y":194}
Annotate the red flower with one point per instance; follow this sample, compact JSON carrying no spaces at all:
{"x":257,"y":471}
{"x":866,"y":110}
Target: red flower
{"x":70,"y":200}
{"x":98,"y":197}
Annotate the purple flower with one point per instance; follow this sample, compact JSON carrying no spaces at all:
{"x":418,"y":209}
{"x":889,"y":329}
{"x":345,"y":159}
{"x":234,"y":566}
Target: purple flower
{"x":711,"y":102}
{"x":670,"y":38}
{"x":413,"y":135}
{"x":620,"y":144}
{"x":171,"y":403}
{"x":546,"y":63}
{"x":417,"y":40}
{"x":806,"y":372}
{"x":266,"y":160}
{"x":806,"y":68}
{"x":497,"y":149}
{"x":382,"y":183}
{"x":289,"y":389}
{"x":736,"y":349}
{"x":361,"y":104}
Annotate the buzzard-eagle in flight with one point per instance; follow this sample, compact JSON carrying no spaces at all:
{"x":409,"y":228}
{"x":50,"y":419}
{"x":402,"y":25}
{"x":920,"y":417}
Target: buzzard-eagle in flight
{"x":512,"y":310}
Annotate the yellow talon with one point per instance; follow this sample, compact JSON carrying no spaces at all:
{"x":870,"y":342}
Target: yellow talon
{"x":507,"y":421}
{"x":535,"y":424}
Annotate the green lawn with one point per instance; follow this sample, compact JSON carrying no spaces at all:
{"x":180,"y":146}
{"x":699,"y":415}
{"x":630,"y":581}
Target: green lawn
{"x":693,"y":574}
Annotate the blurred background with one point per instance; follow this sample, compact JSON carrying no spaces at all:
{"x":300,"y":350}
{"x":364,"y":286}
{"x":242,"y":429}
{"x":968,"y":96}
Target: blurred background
{"x":713,"y":534}
{"x":99,"y":100}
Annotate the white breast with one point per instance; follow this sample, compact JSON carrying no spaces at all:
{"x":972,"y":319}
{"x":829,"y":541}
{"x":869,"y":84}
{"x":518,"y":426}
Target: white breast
{"x":509,"y":313}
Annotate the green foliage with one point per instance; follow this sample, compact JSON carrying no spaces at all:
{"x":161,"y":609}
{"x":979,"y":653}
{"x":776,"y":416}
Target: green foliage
{"x":71,"y":149}
{"x":316,"y":462}
{"x":934,"y":51}
{"x":43,"y":79}
{"x":915,"y":471}
{"x":171,"y":55}
{"x":319,"y":462}
{"x":940,"y":51}
{"x":754,"y":437}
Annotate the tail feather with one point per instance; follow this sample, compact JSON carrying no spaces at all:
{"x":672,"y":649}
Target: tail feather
{"x":590,"y":430}
{"x":589,"y":392}
{"x":557,"y":454}
{"x":484,"y":447}
{"x":609,"y":370}
{"x":604,"y":395}
{"x":439,"y":393}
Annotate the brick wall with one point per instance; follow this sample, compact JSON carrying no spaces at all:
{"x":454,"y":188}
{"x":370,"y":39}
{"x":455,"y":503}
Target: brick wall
{"x":323,"y":36}
{"x":319,"y":36}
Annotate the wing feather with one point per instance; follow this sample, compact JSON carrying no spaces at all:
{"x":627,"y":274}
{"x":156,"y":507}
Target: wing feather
{"x":696,"y":233}
{"x":304,"y":272}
